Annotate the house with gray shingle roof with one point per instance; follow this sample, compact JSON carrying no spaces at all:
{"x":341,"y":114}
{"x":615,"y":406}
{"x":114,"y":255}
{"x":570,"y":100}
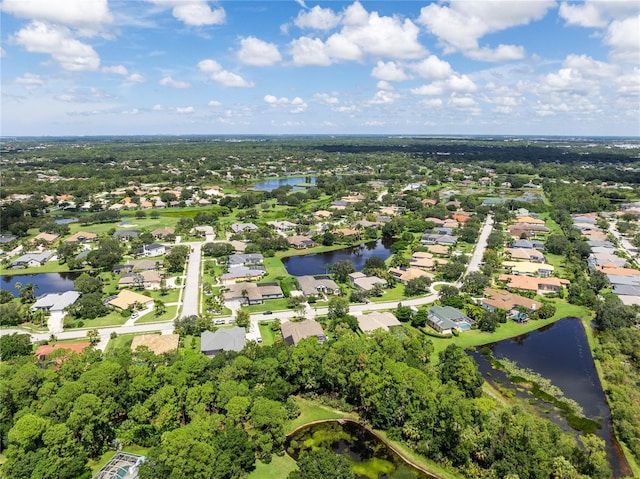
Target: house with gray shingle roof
{"x":223,"y":339}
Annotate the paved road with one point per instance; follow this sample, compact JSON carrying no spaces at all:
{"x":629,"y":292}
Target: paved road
{"x":624,"y":242}
{"x":481,"y":246}
{"x":191,"y":293}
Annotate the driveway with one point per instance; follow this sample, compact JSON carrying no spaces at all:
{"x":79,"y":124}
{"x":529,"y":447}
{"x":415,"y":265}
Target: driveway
{"x":191,"y":293}
{"x":481,"y":246}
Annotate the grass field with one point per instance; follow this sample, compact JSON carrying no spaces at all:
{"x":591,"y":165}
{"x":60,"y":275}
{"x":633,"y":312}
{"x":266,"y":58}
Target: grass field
{"x":168,"y":315}
{"x":123,"y":341}
{"x":114,"y":318}
{"x":393,"y":294}
{"x":268,"y":336}
{"x":278,"y":468}
{"x":269,"y":305}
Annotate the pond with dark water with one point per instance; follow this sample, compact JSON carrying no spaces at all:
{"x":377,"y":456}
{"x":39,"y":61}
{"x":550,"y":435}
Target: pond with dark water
{"x":44,"y":282}
{"x":560,"y":352}
{"x":319,"y":263}
{"x":272,"y":184}
{"x":370,"y":457}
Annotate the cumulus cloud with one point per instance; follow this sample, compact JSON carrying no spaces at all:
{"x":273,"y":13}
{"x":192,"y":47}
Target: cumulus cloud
{"x":195,"y":13}
{"x":389,"y":71}
{"x":214,"y":103}
{"x":596,"y":14}
{"x":317,"y":18}
{"x":58,"y":41}
{"x":432,"y":68}
{"x":361,"y":34}
{"x":30,"y":81}
{"x":455,"y":84}
{"x":170,"y":82}
{"x":122,"y":70}
{"x":222,"y":76}
{"x":622,"y":37}
{"x":326,"y":98}
{"x":88,"y":16}
{"x":136,"y":78}
{"x":461,"y":25}
{"x":298,"y":105}
{"x":383,"y":97}
{"x":256,"y":52}
{"x":185,"y":110}
{"x":384,"y":85}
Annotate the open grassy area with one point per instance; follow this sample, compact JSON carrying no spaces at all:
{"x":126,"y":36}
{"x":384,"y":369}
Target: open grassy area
{"x":168,"y":315}
{"x":275,"y":270}
{"x":123,"y":341}
{"x":114,"y":318}
{"x":48,"y":267}
{"x":269,"y":305}
{"x":475,"y":337}
{"x":557,"y":261}
{"x":314,"y":411}
{"x":268,"y":336}
{"x":278,"y":468}
{"x":393,"y":294}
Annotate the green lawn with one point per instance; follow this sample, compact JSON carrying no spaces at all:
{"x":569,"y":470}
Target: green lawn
{"x":394,"y":294}
{"x":557,"y":261}
{"x":48,"y":267}
{"x":123,"y":341}
{"x":168,"y":315}
{"x":114,"y":318}
{"x":268,"y":336}
{"x":269,"y":305}
{"x":190,"y":343}
{"x":171,"y":296}
{"x":275,"y":270}
{"x":278,"y":468}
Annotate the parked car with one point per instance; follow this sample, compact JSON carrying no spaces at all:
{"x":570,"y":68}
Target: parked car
{"x":268,"y":312}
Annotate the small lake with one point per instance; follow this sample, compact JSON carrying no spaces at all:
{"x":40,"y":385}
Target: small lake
{"x":44,"y":282}
{"x":370,"y":458}
{"x":318,"y":263}
{"x":560,"y":352}
{"x":272,"y":184}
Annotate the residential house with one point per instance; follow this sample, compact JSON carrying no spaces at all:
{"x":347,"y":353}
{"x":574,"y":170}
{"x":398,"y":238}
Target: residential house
{"x":144,"y":264}
{"x":46,"y":349}
{"x":149,"y":279}
{"x":223,"y":339}
{"x":365,"y":282}
{"x":528,"y":220}
{"x":406,"y":275}
{"x":509,"y":302}
{"x":45,"y":238}
{"x":425,"y":260}
{"x":528,"y":244}
{"x":294,"y":332}
{"x":125,"y":235}
{"x":526,"y":254}
{"x":441,"y":239}
{"x":444,"y":319}
{"x":151,"y":250}
{"x":438,"y":249}
{"x":126,"y":299}
{"x":528,"y":268}
{"x":372,"y":321}
{"x":251,"y":293}
{"x":538,"y":285}
{"x":31,"y":260}
{"x":7,"y":238}
{"x":300,"y":241}
{"x":317,"y":285}
{"x":82,"y":237}
{"x":157,"y":343}
{"x":322,"y":214}
{"x":55,"y":302}
{"x":238,"y":228}
{"x":282,"y":226}
{"x":346,"y":233}
{"x":160,"y":233}
{"x":243,"y":273}
{"x":245,"y":259}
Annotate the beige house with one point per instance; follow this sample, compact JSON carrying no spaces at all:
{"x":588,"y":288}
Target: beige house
{"x":126,"y":299}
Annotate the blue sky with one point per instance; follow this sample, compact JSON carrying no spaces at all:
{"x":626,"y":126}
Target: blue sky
{"x":514,"y":67}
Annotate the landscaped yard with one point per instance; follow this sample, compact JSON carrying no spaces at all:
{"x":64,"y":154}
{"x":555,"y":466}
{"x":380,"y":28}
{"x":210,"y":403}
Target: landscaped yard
{"x":168,"y":315}
{"x":122,"y":341}
{"x":270,"y":305}
{"x":114,"y":318}
{"x":268,"y":336}
{"x":394,"y":294}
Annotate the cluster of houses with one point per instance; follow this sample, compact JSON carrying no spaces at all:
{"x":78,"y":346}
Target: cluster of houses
{"x":606,"y":258}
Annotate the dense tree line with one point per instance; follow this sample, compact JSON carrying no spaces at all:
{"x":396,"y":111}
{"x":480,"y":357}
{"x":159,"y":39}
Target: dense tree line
{"x":213,"y":418}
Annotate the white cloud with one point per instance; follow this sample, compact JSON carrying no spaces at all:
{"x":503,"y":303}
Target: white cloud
{"x":383,"y":97}
{"x":462,"y":24}
{"x":195,"y":13}
{"x":256,"y":52}
{"x":384,"y":85}
{"x":433,"y":68}
{"x":622,"y":37}
{"x":86,"y":15}
{"x":170,"y":82}
{"x":317,"y":18}
{"x":431,"y":103}
{"x":133,"y":111}
{"x":455,"y":83}
{"x":309,"y":52}
{"x":222,"y":76}
{"x":389,"y":71}
{"x":298,"y":105}
{"x":57,"y":41}
{"x":214,"y":104}
{"x":136,"y":78}
{"x":629,"y":83}
{"x":362,"y":34}
{"x":30,"y":81}
{"x":117,"y":69}
{"x":3,"y":52}
{"x":326,"y":98}
{"x":185,"y":110}
{"x":462,"y":101}
{"x":157,"y":108}
{"x":596,"y":14}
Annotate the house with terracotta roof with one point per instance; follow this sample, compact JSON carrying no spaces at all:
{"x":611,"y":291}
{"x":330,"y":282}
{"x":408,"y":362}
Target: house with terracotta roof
{"x":505,"y":301}
{"x":157,"y":343}
{"x":46,"y":349}
{"x":82,"y":237}
{"x":45,"y":237}
{"x":528,"y":268}
{"x":406,"y":275}
{"x":538,"y":285}
{"x":300,"y":241}
{"x":528,"y":220}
